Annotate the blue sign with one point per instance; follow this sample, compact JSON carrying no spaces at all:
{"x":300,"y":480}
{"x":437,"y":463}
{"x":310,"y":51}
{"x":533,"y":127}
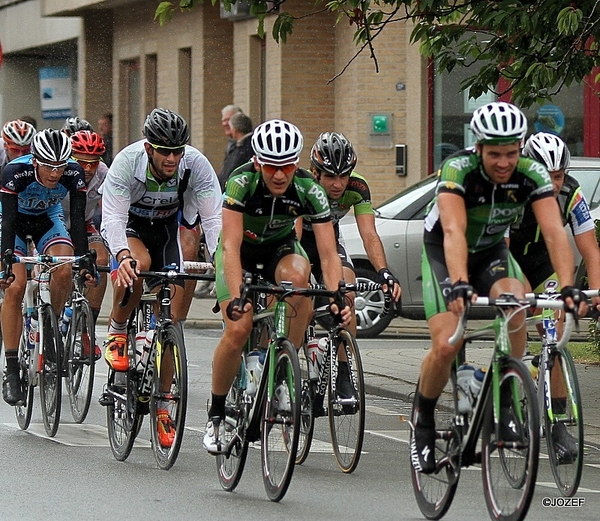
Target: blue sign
{"x":549,"y":118}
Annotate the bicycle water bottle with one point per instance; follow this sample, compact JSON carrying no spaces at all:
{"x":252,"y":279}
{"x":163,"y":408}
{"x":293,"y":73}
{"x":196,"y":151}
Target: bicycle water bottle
{"x":32,"y":329}
{"x":475,"y":383}
{"x":254,"y":368}
{"x":66,"y":319}
{"x":316,"y":351}
{"x":146,"y":349}
{"x":464,"y":375}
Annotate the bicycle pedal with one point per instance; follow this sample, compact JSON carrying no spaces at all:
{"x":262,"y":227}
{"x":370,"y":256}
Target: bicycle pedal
{"x":104,"y":400}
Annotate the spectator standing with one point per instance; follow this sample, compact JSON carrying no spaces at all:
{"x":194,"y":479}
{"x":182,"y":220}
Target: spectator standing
{"x":105,"y":131}
{"x":240,"y":152}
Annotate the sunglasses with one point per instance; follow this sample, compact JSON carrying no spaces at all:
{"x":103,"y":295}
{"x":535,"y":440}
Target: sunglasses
{"x":87,"y":162}
{"x":273,"y":169}
{"x":51,"y":167}
{"x":167,"y":151}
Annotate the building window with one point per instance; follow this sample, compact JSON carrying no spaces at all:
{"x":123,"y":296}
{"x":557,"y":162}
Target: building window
{"x":185,"y":85}
{"x":129,"y":100}
{"x":150,"y":76}
{"x":258,"y":79}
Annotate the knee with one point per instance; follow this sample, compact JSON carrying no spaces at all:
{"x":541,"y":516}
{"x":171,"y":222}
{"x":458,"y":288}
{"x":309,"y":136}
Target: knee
{"x":444,"y":353}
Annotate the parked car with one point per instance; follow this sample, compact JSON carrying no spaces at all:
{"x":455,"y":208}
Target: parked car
{"x":399,"y":222}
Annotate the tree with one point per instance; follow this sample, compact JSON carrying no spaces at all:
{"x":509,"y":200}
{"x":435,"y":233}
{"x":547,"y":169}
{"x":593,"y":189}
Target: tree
{"x":528,"y":49}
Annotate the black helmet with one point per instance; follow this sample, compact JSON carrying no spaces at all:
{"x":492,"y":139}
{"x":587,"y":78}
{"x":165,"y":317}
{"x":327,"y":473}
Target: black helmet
{"x":165,"y":128}
{"x":51,"y":145}
{"x":72,"y":125}
{"x":333,"y":153}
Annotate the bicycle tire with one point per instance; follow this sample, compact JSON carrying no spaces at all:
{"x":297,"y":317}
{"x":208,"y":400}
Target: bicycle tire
{"x":347,"y":421}
{"x":435,"y":492}
{"x":81,"y":360}
{"x":307,"y":419}
{"x":50,"y":369}
{"x":567,"y":475}
{"x":230,"y":466}
{"x":169,"y":339}
{"x":23,"y":412}
{"x":281,"y":420}
{"x":122,"y":419}
{"x":509,"y":478}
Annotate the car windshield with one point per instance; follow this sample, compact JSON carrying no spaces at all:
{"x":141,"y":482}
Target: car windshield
{"x":392,"y":207}
{"x":588,"y":180}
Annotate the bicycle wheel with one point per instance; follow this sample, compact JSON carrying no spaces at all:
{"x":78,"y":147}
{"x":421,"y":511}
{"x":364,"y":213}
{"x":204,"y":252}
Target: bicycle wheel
{"x":50,"y":370}
{"x":170,"y":346}
{"x":122,"y":419}
{"x":347,"y":415}
{"x":230,"y":465}
{"x":281,"y":421}
{"x":81,"y":361}
{"x":434,"y":492}
{"x":509,"y":469}
{"x":567,"y":410}
{"x":23,"y":412}
{"x":307,"y":420}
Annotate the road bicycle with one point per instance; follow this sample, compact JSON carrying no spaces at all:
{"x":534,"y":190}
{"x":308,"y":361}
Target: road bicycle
{"x":40,"y":348}
{"x":346,"y":415}
{"x":509,"y":469}
{"x":130,"y":395}
{"x":559,"y":401}
{"x":79,"y":341}
{"x":269,"y":409}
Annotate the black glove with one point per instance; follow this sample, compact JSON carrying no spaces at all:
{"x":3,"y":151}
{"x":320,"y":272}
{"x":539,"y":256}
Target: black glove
{"x":460,"y":289}
{"x":385,"y":277}
{"x":233,"y":303}
{"x":575,"y":294}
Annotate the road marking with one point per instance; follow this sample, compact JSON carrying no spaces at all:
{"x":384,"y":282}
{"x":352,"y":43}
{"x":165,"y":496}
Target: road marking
{"x":580,"y":490}
{"x":76,"y":435}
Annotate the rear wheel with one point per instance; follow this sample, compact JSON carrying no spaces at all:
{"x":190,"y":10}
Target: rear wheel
{"x":281,"y":421}
{"x":307,"y":420}
{"x":50,"y":370}
{"x":566,"y":416}
{"x":347,"y":415}
{"x":230,"y":465}
{"x":168,"y":405}
{"x":434,"y":492}
{"x":509,"y":469}
{"x":122,"y":419}
{"x":81,"y":360}
{"x":23,"y":412}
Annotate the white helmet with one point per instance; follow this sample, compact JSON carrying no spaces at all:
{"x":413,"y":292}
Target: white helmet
{"x":498,"y":123}
{"x":549,"y":150}
{"x":51,"y":145}
{"x":277,"y":142}
{"x":18,"y":133}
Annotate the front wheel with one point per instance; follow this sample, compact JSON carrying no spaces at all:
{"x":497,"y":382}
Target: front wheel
{"x":347,"y":413}
{"x":564,"y":424}
{"x":281,"y":420}
{"x":307,"y":419}
{"x":509,"y":468}
{"x":81,"y":360}
{"x":50,"y":370}
{"x":23,"y":412}
{"x":169,"y":396}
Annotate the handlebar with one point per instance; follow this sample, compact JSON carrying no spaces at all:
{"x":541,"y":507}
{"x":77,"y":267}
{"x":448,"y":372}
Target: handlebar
{"x":10,"y":258}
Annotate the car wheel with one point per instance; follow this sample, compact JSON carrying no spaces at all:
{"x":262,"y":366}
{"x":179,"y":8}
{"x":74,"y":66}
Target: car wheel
{"x":369,"y":306}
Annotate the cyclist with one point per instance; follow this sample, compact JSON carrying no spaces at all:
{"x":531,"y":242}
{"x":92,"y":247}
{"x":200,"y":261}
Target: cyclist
{"x":261,"y":201}
{"x":530,"y":251}
{"x":75,"y":124}
{"x":16,"y":140}
{"x":87,"y":150}
{"x":147,"y":184}
{"x":32,"y":188}
{"x":332,"y":162}
{"x":480,"y":191}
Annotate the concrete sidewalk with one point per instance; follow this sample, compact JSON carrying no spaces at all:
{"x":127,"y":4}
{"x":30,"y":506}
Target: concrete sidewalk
{"x":392,"y":369}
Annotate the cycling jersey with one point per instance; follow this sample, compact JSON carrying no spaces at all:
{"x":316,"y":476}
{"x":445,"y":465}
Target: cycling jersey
{"x":26,"y":203}
{"x":93,"y":196}
{"x":3,"y":158}
{"x":357,"y":196}
{"x":268,"y":219}
{"x":491,"y":207}
{"x":130,"y":191}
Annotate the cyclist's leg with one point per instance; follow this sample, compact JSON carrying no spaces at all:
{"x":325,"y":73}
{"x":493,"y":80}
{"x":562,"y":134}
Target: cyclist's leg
{"x":190,"y":244}
{"x":95,"y":295}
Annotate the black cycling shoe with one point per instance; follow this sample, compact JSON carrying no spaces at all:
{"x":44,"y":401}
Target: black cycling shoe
{"x":344,"y":387}
{"x":564,"y":443}
{"x":511,"y":429}
{"x":11,"y":389}
{"x":422,"y":449}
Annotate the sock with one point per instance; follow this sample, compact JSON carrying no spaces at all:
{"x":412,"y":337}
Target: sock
{"x":559,"y":405}
{"x":217,"y":406}
{"x":117,"y":327}
{"x":426,"y":410}
{"x":12,"y":360}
